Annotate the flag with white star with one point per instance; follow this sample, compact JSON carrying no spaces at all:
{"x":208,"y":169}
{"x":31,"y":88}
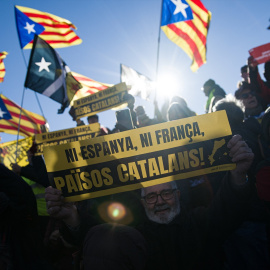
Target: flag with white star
{"x":2,"y":66}
{"x":186,"y":23}
{"x":55,"y":30}
{"x":14,"y":119}
{"x":49,"y":75}
{"x":4,"y":113}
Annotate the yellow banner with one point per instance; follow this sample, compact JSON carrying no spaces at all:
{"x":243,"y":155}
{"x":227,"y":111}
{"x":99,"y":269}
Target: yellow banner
{"x":141,"y":157}
{"x":8,"y":152}
{"x":66,"y":136}
{"x":100,"y":101}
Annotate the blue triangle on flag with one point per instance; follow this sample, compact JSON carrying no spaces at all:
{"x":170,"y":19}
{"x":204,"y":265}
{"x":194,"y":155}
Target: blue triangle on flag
{"x":4,"y":113}
{"x":174,"y":11}
{"x":27,"y":29}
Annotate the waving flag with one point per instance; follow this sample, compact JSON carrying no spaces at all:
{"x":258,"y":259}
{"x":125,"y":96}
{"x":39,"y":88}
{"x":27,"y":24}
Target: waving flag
{"x":15,"y":152}
{"x":140,"y":85}
{"x":186,"y":23}
{"x":49,"y":75}
{"x":9,"y":119}
{"x":2,"y":66}
{"x":53,"y":29}
{"x":89,"y":86}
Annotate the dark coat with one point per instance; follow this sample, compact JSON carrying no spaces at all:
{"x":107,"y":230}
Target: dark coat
{"x":20,"y":242}
{"x":193,"y":239}
{"x":36,"y":171}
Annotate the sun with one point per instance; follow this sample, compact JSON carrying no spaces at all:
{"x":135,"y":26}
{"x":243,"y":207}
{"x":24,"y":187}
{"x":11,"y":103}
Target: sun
{"x":167,"y":86}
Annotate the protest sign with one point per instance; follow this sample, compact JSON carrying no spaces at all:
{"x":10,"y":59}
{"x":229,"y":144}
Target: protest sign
{"x":8,"y":152}
{"x":141,"y":157}
{"x":66,"y":136}
{"x":103,"y":100}
{"x":261,"y":54}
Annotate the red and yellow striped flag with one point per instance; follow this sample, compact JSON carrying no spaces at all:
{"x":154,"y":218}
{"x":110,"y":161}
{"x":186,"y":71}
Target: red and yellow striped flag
{"x":2,"y":66}
{"x":89,"y":86}
{"x":186,"y":23}
{"x":55,"y":30}
{"x":30,"y":122}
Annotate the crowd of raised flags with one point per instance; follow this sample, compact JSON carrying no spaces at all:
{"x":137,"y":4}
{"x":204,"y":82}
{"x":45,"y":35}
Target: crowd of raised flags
{"x":184,"y":22}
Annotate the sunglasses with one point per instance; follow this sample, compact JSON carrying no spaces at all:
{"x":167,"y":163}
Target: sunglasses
{"x":245,"y":96}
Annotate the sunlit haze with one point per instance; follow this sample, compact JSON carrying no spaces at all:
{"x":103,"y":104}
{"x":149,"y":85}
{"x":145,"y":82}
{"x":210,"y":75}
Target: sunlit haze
{"x":167,"y":86}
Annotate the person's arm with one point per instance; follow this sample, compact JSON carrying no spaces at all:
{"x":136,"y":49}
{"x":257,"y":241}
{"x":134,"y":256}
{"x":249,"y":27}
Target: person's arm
{"x":243,"y":156}
{"x":27,"y":171}
{"x":231,"y":204}
{"x":57,"y":208}
{"x":36,"y":172}
{"x":41,"y":171}
{"x":75,"y":224}
{"x":16,"y":168}
{"x":256,"y":80}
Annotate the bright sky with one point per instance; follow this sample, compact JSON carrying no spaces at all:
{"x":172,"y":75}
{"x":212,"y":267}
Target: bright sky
{"x":126,"y":31}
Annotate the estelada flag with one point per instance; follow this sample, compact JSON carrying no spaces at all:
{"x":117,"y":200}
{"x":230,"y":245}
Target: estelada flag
{"x":186,"y":23}
{"x":49,"y":75}
{"x":89,"y":86}
{"x":2,"y":66}
{"x":10,"y":119}
{"x":53,"y":29}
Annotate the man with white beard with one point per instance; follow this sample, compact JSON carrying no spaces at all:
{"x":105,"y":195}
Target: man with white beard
{"x":161,"y":202}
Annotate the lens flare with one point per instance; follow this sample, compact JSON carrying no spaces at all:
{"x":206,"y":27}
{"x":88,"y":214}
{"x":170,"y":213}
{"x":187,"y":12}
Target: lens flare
{"x":116,"y":211}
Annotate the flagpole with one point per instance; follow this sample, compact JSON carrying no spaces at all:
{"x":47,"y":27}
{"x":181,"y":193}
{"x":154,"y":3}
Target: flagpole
{"x":19,"y":125}
{"x":26,"y":66}
{"x":157,"y":64}
{"x":21,"y":111}
{"x":34,"y":91}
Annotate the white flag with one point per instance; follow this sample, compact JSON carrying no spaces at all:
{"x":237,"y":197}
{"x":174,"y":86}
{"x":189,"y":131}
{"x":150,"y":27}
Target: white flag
{"x":140,"y":85}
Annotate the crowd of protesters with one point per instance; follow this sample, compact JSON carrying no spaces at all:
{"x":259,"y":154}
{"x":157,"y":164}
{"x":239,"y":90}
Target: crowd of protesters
{"x":215,"y":221}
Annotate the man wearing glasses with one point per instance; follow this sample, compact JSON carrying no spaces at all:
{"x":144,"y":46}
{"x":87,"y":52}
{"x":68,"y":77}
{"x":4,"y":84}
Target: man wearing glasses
{"x":161,"y":202}
{"x":253,"y":105}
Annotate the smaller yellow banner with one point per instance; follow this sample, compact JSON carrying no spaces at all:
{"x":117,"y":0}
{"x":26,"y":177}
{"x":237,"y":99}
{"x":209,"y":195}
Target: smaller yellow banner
{"x":66,"y":136}
{"x":101,"y":101}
